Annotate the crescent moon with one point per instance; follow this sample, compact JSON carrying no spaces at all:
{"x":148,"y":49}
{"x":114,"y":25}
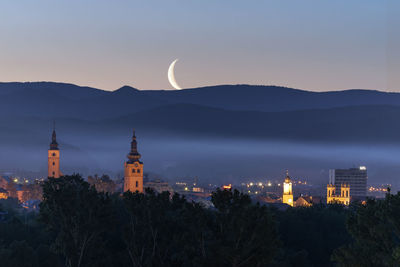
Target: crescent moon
{"x":171,"y":75}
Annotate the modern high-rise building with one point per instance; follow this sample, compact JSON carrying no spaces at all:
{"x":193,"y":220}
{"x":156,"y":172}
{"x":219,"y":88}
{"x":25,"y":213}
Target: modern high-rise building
{"x":133,"y":178}
{"x":54,"y":157}
{"x":356,"y":178}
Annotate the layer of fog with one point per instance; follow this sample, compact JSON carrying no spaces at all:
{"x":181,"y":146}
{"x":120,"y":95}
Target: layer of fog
{"x":211,"y":160}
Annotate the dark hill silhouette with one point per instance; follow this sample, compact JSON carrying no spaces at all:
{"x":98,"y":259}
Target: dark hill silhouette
{"x":63,"y":89}
{"x":226,"y":111}
{"x":275,"y":98}
{"x":357,"y":124}
{"x":48,"y":100}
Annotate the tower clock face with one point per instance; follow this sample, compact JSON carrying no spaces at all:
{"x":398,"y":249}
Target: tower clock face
{"x":136,"y":165}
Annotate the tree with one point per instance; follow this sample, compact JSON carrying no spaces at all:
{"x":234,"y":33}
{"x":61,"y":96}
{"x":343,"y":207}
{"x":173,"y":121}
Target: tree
{"x":103,"y":183}
{"x":22,"y":235}
{"x":312,"y":233}
{"x":164,"y":231}
{"x":79,"y":216}
{"x":375,"y":228}
{"x":245,"y":234}
{"x":19,"y":253}
{"x":35,"y":191}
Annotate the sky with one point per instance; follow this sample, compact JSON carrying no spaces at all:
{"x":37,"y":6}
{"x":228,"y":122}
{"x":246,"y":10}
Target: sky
{"x":315,"y":45}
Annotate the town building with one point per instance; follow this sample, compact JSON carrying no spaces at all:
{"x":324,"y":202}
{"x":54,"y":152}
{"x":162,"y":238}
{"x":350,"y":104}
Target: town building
{"x":133,"y":177}
{"x":159,"y":186}
{"x":21,"y":194}
{"x":4,"y":181}
{"x":54,"y":158}
{"x":3,"y":193}
{"x":303,"y":201}
{"x":198,"y":189}
{"x":287,"y":196}
{"x":356,"y":178}
{"x":342,"y":198}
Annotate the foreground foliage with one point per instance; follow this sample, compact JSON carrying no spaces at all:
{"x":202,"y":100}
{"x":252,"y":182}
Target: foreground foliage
{"x":97,"y":229}
{"x":375,"y":228}
{"x":78,"y":215}
{"x":79,"y":225}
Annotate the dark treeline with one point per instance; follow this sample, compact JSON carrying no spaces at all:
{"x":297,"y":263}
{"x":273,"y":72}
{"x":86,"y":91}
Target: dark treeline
{"x":79,"y":226}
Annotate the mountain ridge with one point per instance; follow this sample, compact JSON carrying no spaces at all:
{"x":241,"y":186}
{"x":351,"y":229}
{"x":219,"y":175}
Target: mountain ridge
{"x":57,"y":99}
{"x":226,"y":111}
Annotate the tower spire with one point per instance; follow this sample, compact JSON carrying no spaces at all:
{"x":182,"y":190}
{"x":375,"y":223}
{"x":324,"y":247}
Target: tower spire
{"x":54,"y":144}
{"x":133,"y":155}
{"x":287,"y":178}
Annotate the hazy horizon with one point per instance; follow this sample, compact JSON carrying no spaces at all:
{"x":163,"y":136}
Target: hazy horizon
{"x":211,"y":160}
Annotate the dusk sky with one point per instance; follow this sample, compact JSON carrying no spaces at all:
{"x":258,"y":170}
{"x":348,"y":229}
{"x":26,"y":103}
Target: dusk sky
{"x":308,"y":44}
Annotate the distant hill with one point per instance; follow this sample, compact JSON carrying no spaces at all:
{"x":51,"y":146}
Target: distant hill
{"x":50,"y":100}
{"x":356,"y":124}
{"x":63,"y":89}
{"x":274,"y":98}
{"x":377,"y":124}
{"x":227,"y":111}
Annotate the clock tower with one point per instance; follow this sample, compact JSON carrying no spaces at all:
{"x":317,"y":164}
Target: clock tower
{"x":133,"y":178}
{"x":54,"y":157}
{"x":287,"y":196}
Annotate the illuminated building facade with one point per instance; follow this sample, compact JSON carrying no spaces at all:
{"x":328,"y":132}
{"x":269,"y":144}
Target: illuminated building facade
{"x":3,"y":193}
{"x":342,"y":198}
{"x":54,"y":158}
{"x":227,"y":187}
{"x":355,"y":177}
{"x":133,"y":178}
{"x":303,"y":201}
{"x":198,"y":189}
{"x":287,"y":196}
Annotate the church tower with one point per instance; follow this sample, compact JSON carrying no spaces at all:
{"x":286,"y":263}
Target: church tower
{"x":54,"y":157}
{"x":133,"y":178}
{"x":287,"y":196}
